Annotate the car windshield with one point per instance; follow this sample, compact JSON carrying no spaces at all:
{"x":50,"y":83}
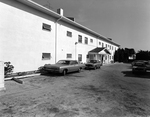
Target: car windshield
{"x":63,"y":62}
{"x":92,"y":61}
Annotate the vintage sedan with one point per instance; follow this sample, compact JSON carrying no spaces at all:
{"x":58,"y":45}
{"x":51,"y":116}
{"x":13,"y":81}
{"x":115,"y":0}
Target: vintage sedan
{"x":93,"y":64}
{"x":139,"y":66}
{"x":63,"y":67}
{"x":147,"y":63}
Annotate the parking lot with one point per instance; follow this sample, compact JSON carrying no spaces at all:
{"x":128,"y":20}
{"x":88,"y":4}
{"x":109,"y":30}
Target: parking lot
{"x":112,"y":91}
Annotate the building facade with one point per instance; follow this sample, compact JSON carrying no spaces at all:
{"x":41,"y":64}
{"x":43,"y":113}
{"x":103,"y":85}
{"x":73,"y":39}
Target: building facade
{"x":32,"y":35}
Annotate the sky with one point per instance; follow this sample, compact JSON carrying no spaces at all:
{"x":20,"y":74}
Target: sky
{"x":127,"y":22}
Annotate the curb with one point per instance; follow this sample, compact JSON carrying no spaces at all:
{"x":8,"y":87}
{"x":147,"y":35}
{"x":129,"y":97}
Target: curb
{"x":19,"y":77}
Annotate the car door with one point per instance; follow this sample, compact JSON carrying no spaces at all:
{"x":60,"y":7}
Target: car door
{"x":96,"y":63}
{"x":99,"y":63}
{"x":74,"y":66}
{"x":71,"y":66}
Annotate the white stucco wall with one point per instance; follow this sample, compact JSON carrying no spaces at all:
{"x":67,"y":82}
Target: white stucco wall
{"x":67,"y":44}
{"x":22,"y":38}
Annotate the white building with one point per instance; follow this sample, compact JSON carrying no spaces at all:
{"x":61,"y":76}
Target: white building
{"x":32,"y":35}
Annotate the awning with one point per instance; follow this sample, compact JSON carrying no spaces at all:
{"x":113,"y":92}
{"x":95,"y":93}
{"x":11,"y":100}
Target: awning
{"x":99,"y":51}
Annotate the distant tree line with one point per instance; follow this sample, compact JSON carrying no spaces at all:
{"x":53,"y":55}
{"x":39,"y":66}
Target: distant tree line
{"x":123,"y":55}
{"x":143,"y":55}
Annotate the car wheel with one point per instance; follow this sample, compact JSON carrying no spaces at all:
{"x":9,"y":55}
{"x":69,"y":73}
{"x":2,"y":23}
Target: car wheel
{"x":95,"y":67}
{"x":79,"y":69}
{"x":64,"y":72}
{"x":133,"y":71}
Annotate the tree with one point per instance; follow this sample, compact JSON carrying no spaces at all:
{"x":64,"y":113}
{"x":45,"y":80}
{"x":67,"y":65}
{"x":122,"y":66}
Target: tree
{"x":143,"y":55}
{"x":122,"y":55}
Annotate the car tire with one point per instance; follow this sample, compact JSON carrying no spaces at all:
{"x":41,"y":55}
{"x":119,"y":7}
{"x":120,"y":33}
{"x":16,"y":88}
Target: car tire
{"x":95,"y":68}
{"x":133,"y":71}
{"x":64,"y":72}
{"x":79,"y":70}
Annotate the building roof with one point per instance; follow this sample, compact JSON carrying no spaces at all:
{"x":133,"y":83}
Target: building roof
{"x":65,"y":19}
{"x":98,"y":50}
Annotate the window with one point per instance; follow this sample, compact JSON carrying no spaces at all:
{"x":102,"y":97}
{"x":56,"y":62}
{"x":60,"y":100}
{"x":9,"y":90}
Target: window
{"x":46,"y":27}
{"x":46,"y":56}
{"x":79,"y":57}
{"x":102,"y":44}
{"x":69,"y":34}
{"x":110,"y":46}
{"x":87,"y":56}
{"x":69,"y":55}
{"x":86,"y":40}
{"x":79,"y":38}
{"x":91,"y":40}
{"x":99,"y":43}
{"x":106,"y":45}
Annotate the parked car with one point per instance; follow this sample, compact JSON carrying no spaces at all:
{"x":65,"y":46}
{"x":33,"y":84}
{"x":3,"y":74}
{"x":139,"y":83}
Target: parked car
{"x":139,"y":66}
{"x":137,"y":61}
{"x":93,"y":64}
{"x":63,"y":67}
{"x":147,"y":63}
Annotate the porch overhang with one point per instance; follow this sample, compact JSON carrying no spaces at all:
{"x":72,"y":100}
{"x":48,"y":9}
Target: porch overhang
{"x":102,"y":51}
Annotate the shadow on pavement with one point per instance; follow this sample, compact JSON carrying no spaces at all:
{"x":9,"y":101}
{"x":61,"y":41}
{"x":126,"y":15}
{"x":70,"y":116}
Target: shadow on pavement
{"x":60,"y":75}
{"x":137,"y":75}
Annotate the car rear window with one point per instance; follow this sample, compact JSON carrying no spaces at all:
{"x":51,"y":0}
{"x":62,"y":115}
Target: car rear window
{"x":93,"y":61}
{"x":64,"y":62}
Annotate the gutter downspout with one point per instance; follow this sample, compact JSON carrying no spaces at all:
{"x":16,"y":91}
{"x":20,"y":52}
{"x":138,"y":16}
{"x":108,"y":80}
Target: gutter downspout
{"x":56,"y":38}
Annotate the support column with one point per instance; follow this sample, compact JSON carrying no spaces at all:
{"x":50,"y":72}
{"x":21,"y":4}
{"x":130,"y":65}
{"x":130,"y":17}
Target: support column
{"x":2,"y":86}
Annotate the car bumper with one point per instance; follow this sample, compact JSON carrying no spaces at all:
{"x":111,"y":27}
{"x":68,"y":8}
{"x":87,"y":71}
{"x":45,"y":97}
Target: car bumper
{"x":89,"y":67}
{"x":139,"y":69}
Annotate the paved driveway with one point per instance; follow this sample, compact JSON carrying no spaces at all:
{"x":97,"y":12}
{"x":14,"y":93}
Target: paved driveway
{"x":112,"y":91}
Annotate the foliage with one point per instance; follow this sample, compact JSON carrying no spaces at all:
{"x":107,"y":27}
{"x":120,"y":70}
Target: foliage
{"x":143,"y":55}
{"x":8,"y":68}
{"x":122,"y":55}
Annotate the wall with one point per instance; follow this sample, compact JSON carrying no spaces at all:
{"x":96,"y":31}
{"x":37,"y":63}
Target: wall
{"x":67,"y":44}
{"x":22,"y":39}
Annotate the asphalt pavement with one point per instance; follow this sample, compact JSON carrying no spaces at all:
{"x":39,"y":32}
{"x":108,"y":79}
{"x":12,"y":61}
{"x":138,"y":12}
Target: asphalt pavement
{"x":112,"y":91}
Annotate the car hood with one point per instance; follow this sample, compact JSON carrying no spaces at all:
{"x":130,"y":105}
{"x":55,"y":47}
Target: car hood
{"x":89,"y":64}
{"x":139,"y":64}
{"x":54,"y":65}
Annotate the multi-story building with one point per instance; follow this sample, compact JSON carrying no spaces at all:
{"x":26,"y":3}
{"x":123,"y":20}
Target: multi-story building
{"x":32,"y":35}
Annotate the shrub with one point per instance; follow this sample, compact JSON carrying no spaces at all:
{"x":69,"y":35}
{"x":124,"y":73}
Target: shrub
{"x":8,"y":69}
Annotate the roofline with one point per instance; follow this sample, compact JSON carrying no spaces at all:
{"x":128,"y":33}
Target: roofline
{"x":63,"y":18}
